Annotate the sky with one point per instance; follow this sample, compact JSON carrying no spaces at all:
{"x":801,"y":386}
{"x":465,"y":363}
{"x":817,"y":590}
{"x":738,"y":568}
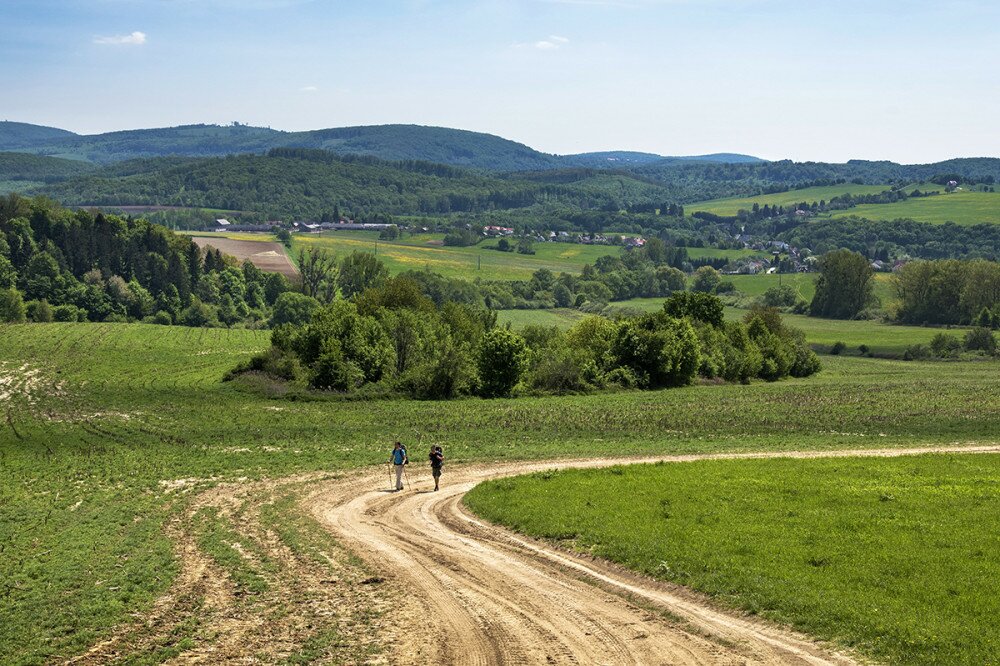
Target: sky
{"x":911,"y":81}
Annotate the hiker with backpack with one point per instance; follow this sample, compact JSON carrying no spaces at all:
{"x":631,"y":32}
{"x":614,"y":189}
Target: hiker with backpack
{"x":399,"y":460}
{"x":437,"y":462}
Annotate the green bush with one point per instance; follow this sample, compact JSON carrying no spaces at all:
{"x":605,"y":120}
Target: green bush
{"x":12,"y":308}
{"x":501,"y":360}
{"x":838,"y":348}
{"x":916,"y":352}
{"x":945,"y":346}
{"x":981,"y":339}
{"x":38,"y":311}
{"x":68,"y":313}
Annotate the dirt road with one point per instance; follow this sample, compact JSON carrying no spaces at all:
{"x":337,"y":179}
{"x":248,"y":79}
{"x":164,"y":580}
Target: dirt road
{"x":478,"y":594}
{"x":413,"y":578}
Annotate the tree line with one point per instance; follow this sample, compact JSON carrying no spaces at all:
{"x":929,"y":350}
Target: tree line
{"x":61,"y":265}
{"x":392,"y":338}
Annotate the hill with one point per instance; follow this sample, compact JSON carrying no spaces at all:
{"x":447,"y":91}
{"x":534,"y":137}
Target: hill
{"x":25,"y":135}
{"x":304,"y":184}
{"x":389,"y":142}
{"x":392,"y":142}
{"x":432,"y":144}
{"x":22,"y":171}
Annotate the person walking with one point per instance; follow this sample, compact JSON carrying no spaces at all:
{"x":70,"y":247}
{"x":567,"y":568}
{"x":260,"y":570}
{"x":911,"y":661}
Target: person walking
{"x":399,"y":459}
{"x":437,"y":462}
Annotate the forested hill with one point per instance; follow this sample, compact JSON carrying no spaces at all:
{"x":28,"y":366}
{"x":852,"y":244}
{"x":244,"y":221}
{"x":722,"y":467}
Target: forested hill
{"x":389,"y":142}
{"x":792,"y":174}
{"x":297,"y":183}
{"x":15,"y":136}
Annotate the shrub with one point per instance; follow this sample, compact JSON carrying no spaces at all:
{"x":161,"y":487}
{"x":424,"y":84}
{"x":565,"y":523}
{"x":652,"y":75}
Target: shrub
{"x":945,"y":346}
{"x":805,"y":363}
{"x":981,"y":339}
{"x":163,"y":318}
{"x":12,"y":308}
{"x":68,"y":313}
{"x":560,"y":370}
{"x":916,"y":352}
{"x":838,"y":348}
{"x":864,"y":349}
{"x":39,"y":311}
{"x":333,"y":371}
{"x":625,"y":378}
{"x":273,"y":362}
{"x":783,"y":296}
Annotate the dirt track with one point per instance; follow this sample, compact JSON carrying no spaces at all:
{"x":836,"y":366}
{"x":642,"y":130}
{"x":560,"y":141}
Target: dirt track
{"x":433,"y":585}
{"x":494,"y":597}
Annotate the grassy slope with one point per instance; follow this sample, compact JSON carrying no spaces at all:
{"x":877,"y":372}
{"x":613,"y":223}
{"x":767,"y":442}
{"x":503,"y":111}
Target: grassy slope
{"x":117,"y":408}
{"x":897,"y":558}
{"x":733,"y":205}
{"x":965,"y":208}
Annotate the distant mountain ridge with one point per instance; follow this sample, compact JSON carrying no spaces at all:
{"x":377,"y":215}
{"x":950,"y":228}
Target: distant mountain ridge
{"x":442,"y":145}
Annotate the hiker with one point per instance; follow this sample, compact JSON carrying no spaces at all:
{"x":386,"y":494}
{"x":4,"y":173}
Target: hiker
{"x":399,"y":460}
{"x":437,"y":462}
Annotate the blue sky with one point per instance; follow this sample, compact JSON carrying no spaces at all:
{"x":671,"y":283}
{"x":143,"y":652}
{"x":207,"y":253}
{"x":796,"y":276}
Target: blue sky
{"x":910,"y":81}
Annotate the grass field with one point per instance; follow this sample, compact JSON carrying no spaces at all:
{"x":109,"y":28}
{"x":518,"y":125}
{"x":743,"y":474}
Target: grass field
{"x":897,"y":558}
{"x":964,"y":208}
{"x":733,"y":205}
{"x":426,"y":251}
{"x":103,"y":420}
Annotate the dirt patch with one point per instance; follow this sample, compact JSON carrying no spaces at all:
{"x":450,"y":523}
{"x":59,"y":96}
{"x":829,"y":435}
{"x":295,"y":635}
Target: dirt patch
{"x":266,"y":256}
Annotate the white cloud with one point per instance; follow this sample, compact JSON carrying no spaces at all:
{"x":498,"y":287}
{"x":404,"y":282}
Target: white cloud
{"x":135,"y":39}
{"x":308,"y":89}
{"x":550,"y":43}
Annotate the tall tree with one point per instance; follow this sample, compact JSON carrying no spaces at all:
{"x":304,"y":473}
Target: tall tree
{"x":844,"y":287}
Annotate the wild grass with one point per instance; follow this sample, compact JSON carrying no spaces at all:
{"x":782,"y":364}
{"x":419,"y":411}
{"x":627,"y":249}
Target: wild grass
{"x":896,"y":558}
{"x":111,"y":425}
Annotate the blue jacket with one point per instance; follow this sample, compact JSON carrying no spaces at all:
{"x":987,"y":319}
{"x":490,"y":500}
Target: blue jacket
{"x":398,"y":456}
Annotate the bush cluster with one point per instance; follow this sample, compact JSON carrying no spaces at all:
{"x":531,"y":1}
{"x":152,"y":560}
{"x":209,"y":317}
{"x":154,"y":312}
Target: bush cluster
{"x":393,"y":338}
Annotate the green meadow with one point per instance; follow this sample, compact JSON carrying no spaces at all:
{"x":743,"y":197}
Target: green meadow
{"x":733,"y":205}
{"x":101,"y":420}
{"x":962,"y":207}
{"x":895,"y":558}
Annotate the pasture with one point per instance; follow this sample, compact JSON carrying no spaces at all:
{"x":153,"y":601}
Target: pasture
{"x":962,"y":207}
{"x":896,"y":558}
{"x":733,"y":205}
{"x":109,"y":427}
